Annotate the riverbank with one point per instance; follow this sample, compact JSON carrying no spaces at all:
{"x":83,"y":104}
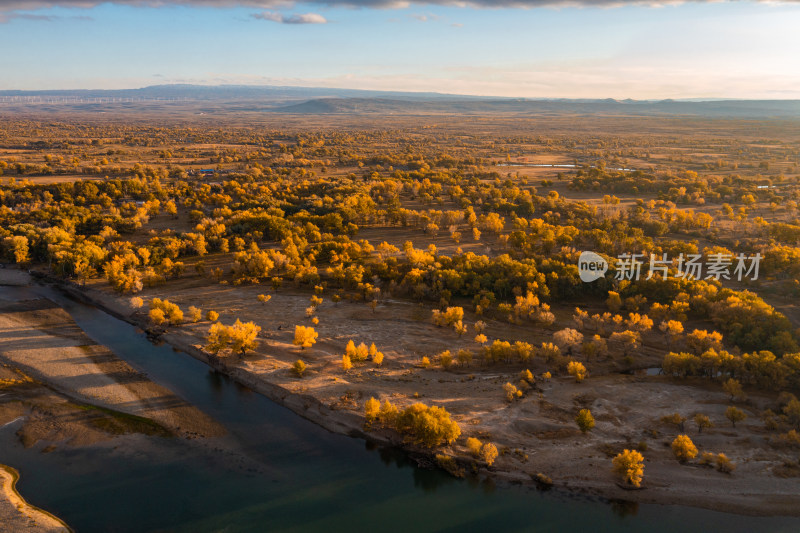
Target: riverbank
{"x":19,"y":516}
{"x":534,"y":435}
{"x":42,"y":340}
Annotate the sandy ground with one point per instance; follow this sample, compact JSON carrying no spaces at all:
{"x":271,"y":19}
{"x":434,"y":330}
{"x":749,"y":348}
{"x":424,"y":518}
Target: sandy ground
{"x":17,"y":515}
{"x":42,"y":339}
{"x":534,"y":434}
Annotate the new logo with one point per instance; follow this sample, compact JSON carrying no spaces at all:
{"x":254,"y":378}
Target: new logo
{"x":591,"y":266}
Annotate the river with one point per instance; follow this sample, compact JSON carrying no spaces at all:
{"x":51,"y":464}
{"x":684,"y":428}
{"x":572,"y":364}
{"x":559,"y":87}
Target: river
{"x":287,"y":473}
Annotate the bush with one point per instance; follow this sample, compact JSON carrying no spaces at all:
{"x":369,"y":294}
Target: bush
{"x":585,"y":420}
{"x":474,"y":446}
{"x":299,"y":368}
{"x":576,"y":370}
{"x":195,"y":314}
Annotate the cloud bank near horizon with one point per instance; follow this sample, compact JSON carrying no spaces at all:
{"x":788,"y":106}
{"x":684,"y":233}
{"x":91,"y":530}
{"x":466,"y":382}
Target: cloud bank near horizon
{"x":34,"y":5}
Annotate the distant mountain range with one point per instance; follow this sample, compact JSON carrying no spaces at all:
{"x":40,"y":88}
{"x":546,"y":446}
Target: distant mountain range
{"x":323,"y":101}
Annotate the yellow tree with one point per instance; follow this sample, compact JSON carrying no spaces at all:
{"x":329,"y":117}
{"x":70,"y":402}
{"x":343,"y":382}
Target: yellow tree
{"x":488,"y":453}
{"x":305,"y":336}
{"x":217,"y":338}
{"x":372,"y":409}
{"x":576,"y":370}
{"x":243,"y":337}
{"x":683,"y":448}
{"x":629,"y":465}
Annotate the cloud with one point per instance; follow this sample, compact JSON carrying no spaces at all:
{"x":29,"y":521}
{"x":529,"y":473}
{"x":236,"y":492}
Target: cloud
{"x":425,"y":17}
{"x":304,"y":18}
{"x":8,"y":17}
{"x":32,"y":5}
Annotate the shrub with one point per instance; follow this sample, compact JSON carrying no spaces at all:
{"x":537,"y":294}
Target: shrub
{"x":585,"y":420}
{"x":299,"y":368}
{"x":195,"y":314}
{"x":474,"y":446}
{"x":577,"y":370}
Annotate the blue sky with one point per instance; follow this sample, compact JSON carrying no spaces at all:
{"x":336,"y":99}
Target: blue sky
{"x":698,"y":49}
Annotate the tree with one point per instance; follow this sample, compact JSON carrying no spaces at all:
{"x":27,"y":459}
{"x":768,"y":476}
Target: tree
{"x":305,"y":336}
{"x":446,"y":359}
{"x":18,"y":245}
{"x":488,"y":453}
{"x":676,"y":420}
{"x":576,"y":370}
{"x":585,"y":420}
{"x":629,"y":465}
{"x":734,"y":414}
{"x":217,"y":338}
{"x":377,"y":358}
{"x":264,"y":298}
{"x":137,"y":302}
{"x":195,"y":314}
{"x":212,"y":316}
{"x":672,"y":329}
{"x":683,"y":448}
{"x":702,"y":422}
{"x":157,"y":316}
{"x":614,"y":302}
{"x":371,"y":410}
{"x":511,"y":392}
{"x":429,"y":426}
{"x":243,"y":337}
{"x":239,"y":338}
{"x":346,"y":363}
{"x":567,"y":338}
{"x":299,"y":367}
{"x":734,"y":388}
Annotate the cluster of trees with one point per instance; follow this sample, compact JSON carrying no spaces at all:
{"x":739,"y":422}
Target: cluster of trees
{"x":429,"y":426}
{"x":238,"y":338}
{"x":762,"y":368}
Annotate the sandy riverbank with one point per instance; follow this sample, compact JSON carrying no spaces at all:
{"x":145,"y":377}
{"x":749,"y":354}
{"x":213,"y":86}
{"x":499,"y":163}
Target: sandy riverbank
{"x":19,"y":516}
{"x":41,"y":339}
{"x":535,"y":434}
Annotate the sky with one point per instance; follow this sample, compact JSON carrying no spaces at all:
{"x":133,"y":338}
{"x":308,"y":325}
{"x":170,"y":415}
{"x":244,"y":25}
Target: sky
{"x":520,"y":48}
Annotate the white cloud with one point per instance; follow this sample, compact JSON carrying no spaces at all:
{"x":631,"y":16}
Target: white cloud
{"x":303,"y":18}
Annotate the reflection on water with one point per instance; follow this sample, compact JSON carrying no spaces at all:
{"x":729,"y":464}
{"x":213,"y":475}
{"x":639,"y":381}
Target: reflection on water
{"x":284,"y":473}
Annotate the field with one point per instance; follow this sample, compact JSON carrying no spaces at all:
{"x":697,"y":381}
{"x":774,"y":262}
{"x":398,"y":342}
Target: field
{"x":451,"y":244}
